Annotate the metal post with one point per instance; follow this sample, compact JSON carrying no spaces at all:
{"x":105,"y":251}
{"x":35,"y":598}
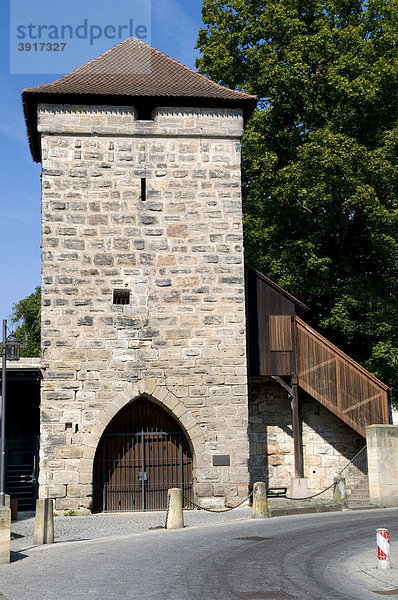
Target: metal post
{"x":143,"y":507}
{"x":181,"y":466}
{"x":383,"y":549}
{"x":3,"y":415}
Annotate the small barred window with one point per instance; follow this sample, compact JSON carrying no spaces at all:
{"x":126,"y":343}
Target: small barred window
{"x":121,"y":296}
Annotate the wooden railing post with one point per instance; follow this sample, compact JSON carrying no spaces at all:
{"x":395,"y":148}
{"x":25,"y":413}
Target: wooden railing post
{"x":338,"y":384}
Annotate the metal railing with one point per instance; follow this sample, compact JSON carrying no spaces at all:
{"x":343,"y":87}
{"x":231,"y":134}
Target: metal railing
{"x":356,"y":470}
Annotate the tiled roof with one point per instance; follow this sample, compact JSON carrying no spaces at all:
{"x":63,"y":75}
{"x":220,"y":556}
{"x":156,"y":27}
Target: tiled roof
{"x":131,"y":70}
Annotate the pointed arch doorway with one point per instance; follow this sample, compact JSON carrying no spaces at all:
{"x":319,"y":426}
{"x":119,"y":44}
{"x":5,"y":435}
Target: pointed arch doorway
{"x":142,"y":453}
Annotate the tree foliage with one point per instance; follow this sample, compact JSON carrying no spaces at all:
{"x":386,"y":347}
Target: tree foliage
{"x":320,"y":169}
{"x":26,"y":315}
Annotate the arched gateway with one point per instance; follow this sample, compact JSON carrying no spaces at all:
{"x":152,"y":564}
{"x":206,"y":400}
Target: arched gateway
{"x":142,"y":453}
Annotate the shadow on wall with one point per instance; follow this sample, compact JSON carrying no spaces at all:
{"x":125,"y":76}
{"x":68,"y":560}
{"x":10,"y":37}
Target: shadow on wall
{"x":270,"y":434}
{"x":328,"y":443}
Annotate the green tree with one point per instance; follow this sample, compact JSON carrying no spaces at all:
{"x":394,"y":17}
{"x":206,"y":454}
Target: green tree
{"x":320,"y":169}
{"x":26,"y":315}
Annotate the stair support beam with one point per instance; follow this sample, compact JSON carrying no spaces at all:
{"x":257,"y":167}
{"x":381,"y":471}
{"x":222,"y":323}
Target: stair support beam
{"x":298,"y":455}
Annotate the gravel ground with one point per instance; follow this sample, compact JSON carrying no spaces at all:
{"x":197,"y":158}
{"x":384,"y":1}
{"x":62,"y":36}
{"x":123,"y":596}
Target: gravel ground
{"x":102,"y":525}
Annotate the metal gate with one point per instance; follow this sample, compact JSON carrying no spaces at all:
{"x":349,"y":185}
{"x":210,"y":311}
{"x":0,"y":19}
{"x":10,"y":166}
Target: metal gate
{"x":22,"y":471}
{"x":135,"y":470}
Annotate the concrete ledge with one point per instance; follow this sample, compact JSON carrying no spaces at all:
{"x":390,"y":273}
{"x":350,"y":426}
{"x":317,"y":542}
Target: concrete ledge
{"x":365,"y":507}
{"x":385,"y":501}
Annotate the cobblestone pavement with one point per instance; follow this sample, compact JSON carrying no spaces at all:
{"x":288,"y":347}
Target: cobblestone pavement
{"x":314,"y":557}
{"x":73,"y":528}
{"x":102,"y":525}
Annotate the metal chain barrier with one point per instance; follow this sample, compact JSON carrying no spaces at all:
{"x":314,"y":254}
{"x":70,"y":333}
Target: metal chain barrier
{"x":313,"y":496}
{"x":222,"y":510}
{"x":354,"y":460}
{"x":218,"y":510}
{"x":167,"y":510}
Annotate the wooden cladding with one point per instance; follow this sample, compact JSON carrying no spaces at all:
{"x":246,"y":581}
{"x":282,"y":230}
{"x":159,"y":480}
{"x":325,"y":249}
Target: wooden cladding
{"x":280,"y":333}
{"x":338,"y":382}
{"x":269,"y":312}
{"x":278,"y":346}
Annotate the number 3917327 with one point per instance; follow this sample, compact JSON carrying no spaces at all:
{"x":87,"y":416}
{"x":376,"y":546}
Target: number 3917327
{"x":41,"y":47}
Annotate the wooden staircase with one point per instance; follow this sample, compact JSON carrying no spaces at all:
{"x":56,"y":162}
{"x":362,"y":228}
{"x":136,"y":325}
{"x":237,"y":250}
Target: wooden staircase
{"x":338,"y":382}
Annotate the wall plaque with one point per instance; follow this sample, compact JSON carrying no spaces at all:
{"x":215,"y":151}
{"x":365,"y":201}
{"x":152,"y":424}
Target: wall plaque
{"x":221,"y":460}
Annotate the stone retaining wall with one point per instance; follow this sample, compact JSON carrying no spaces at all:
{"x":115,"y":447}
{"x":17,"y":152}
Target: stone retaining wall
{"x":382,"y":447}
{"x":328,"y":443}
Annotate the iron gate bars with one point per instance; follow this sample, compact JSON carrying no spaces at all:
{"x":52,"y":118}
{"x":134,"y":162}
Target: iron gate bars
{"x":136,"y":470}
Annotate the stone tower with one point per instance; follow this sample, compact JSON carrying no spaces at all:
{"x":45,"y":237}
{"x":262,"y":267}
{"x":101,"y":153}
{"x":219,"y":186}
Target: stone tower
{"x":142,"y":269}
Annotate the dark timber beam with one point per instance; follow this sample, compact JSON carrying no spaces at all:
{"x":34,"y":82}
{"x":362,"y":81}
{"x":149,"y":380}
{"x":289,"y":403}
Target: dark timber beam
{"x":292,"y":390}
{"x":298,"y":457}
{"x":283,"y":383}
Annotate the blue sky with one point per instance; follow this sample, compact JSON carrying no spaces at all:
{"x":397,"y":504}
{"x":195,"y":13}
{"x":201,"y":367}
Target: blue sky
{"x":174,"y":28}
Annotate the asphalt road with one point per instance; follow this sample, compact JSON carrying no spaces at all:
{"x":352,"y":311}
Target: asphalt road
{"x":311,"y":556}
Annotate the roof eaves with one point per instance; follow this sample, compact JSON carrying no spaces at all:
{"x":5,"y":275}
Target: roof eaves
{"x":31,"y":98}
{"x":278,"y":288}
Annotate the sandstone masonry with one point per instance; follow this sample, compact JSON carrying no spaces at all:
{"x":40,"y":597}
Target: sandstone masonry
{"x":181,"y":341}
{"x":328,"y":443}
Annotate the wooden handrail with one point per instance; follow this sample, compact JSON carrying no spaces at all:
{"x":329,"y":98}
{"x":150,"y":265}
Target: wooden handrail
{"x":338,"y":382}
{"x":341,"y":353}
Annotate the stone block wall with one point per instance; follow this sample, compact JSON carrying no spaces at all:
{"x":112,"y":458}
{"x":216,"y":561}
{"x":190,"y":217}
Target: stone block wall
{"x":382,"y":448}
{"x":182,"y":339}
{"x":328,"y":444}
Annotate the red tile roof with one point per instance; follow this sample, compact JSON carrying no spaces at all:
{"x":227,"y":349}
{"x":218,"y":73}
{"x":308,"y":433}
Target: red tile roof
{"x":131,"y":73}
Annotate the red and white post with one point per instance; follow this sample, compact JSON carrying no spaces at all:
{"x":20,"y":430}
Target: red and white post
{"x":383,"y":549}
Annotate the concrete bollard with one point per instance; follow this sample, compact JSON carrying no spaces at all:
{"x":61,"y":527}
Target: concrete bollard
{"x":260,"y":504}
{"x":5,"y":533}
{"x":44,"y":522}
{"x":383,"y":549}
{"x":340,"y":491}
{"x":175,"y":516}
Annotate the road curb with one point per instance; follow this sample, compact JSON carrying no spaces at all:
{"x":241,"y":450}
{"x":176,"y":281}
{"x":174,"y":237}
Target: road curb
{"x":305,"y":510}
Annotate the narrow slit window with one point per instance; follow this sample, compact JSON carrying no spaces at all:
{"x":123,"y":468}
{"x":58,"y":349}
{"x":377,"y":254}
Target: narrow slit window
{"x":143,"y":189}
{"x":121,"y":296}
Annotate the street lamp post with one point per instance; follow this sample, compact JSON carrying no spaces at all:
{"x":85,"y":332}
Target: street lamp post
{"x":9,"y":350}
